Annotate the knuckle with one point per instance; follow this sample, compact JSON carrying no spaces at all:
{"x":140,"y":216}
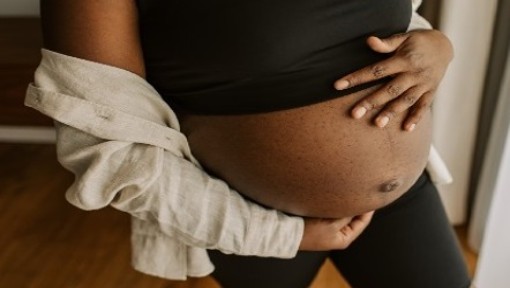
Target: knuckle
{"x":369,"y":104}
{"x":378,"y":70}
{"x":390,"y":112}
{"x":422,"y":73}
{"x":410,"y":99}
{"x":394,"y":90}
{"x":414,"y":59}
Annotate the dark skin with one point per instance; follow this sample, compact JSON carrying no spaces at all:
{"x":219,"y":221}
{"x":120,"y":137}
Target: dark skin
{"x":106,"y":31}
{"x":103,"y":31}
{"x":416,"y":75}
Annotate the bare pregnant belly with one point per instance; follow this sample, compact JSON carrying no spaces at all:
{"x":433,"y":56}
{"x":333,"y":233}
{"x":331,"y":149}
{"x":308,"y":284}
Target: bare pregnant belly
{"x":314,"y":160}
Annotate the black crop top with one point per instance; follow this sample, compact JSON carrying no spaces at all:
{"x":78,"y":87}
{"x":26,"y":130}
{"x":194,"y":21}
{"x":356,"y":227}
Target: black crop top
{"x":239,"y":56}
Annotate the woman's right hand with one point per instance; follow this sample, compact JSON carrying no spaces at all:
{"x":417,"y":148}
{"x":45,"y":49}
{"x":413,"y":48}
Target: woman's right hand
{"x":333,"y":234}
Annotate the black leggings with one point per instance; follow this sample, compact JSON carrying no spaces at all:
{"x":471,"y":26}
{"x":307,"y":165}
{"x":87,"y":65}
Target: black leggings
{"x":408,"y":244}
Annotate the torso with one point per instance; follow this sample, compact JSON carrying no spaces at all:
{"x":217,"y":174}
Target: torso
{"x":257,"y":79}
{"x":314,"y":160}
{"x":238,"y":57}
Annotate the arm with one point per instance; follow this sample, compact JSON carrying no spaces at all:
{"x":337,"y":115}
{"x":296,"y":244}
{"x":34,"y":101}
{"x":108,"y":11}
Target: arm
{"x":101,"y":31}
{"x":124,"y":168}
{"x":418,"y":63}
{"x":146,"y":181}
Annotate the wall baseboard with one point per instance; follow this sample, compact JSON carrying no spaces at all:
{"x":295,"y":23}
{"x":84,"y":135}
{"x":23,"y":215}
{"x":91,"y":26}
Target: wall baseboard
{"x":26,"y":134}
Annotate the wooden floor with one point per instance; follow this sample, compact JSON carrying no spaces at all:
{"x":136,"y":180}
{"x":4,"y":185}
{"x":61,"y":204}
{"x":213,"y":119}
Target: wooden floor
{"x":45,"y":242}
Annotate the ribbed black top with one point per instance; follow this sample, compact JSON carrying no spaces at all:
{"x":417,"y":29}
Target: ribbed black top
{"x":238,"y":56}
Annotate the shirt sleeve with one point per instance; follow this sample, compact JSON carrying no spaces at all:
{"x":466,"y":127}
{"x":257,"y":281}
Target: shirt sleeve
{"x":98,"y":143}
{"x":417,"y":21}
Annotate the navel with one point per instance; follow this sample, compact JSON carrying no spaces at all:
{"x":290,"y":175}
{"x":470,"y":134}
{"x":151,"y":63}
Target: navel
{"x":390,"y":185}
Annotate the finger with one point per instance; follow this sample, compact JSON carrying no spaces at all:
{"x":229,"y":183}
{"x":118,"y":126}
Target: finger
{"x":359,"y":223}
{"x":339,"y":223}
{"x":379,"y":70}
{"x":419,"y":109}
{"x":399,"y":105}
{"x":387,"y":45}
{"x":383,"y":95}
{"x":350,"y":232}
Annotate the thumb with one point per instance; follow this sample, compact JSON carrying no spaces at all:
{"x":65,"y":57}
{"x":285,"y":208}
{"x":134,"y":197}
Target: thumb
{"x":387,"y":45}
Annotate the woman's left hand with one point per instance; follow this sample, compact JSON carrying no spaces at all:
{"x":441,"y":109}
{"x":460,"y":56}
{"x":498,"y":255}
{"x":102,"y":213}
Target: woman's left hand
{"x":417,"y":66}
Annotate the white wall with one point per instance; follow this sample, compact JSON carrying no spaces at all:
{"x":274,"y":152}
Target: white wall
{"x":490,"y":227}
{"x":494,"y":259}
{"x":468,"y":24}
{"x":19,"y":8}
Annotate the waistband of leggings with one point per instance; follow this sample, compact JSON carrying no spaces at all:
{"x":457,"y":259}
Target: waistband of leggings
{"x":424,"y":178}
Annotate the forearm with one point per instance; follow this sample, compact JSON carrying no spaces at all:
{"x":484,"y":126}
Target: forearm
{"x":112,"y":148}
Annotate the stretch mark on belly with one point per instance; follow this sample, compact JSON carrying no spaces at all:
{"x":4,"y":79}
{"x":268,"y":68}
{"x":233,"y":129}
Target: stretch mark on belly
{"x":389,"y":186}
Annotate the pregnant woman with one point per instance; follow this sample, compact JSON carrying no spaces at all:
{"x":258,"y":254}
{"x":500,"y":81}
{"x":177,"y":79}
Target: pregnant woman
{"x":267,"y":96}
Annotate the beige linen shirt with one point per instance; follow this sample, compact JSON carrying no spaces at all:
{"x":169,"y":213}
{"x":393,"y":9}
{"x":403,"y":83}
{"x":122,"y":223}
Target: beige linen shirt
{"x":124,"y":146}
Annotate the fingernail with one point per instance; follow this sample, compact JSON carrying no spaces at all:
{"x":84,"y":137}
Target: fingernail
{"x":342,"y":84}
{"x":411,"y":127}
{"x":383,"y":121}
{"x":359,"y":112}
